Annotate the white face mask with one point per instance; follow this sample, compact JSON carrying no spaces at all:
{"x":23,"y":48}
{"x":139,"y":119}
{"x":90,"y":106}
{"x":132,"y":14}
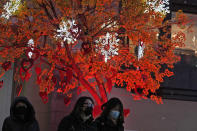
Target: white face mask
{"x":115,"y":114}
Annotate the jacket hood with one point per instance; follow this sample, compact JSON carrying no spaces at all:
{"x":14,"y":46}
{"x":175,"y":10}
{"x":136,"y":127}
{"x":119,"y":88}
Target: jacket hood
{"x":31,"y":111}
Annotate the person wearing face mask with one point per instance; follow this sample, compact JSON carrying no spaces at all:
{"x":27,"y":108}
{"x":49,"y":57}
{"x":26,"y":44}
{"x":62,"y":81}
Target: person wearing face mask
{"x":80,"y":119}
{"x":22,"y":117}
{"x":112,"y":117}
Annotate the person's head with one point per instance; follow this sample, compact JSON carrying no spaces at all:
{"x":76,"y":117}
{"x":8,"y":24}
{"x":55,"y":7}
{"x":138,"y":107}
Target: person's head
{"x":84,"y":105}
{"x":113,"y":109}
{"x":22,"y":109}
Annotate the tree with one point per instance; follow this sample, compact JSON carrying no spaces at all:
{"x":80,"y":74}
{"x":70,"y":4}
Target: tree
{"x":92,"y":44}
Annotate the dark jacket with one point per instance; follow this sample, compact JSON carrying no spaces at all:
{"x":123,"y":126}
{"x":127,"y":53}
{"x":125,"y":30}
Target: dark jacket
{"x":11,"y":123}
{"x":104,"y":124}
{"x":75,"y":123}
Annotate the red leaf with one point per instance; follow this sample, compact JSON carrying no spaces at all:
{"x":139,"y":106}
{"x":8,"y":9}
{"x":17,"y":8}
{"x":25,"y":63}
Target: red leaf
{"x":126,"y":112}
{"x":59,"y":90}
{"x":54,"y":80}
{"x":6,"y":65}
{"x":69,"y":75}
{"x":24,"y":75}
{"x":1,"y":84}
{"x":38,"y":80}
{"x":44,"y":97}
{"x":136,"y":97}
{"x":38,"y":70}
{"x":27,"y":64}
{"x":79,"y":90}
{"x":67,"y":101}
{"x":63,"y":84}
{"x":61,"y":75}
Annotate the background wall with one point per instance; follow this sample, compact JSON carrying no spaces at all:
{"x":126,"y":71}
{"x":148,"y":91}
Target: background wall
{"x":148,"y":116}
{"x":145,"y":115}
{"x":5,"y":96}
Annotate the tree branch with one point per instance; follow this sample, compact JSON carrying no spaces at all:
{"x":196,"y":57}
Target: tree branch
{"x":81,"y":77}
{"x":101,"y":89}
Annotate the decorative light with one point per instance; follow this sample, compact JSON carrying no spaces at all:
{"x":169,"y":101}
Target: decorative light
{"x":68,"y":31}
{"x":162,"y":6}
{"x":30,"y":44}
{"x":141,"y":48}
{"x":108,"y":45}
{"x":194,"y":39}
{"x":10,"y":8}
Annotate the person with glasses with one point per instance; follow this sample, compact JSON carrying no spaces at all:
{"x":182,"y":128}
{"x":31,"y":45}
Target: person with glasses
{"x":81,"y":118}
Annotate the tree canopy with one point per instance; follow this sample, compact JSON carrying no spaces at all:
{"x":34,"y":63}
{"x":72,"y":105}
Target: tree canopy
{"x":90,"y":45}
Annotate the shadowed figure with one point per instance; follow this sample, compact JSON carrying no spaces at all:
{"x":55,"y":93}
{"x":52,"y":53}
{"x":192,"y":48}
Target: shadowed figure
{"x":22,"y":117}
{"x":80,"y":119}
{"x":112,"y":117}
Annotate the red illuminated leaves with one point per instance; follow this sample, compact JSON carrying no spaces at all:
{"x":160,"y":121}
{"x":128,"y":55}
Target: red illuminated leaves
{"x":27,"y":64}
{"x":38,"y":70}
{"x":78,"y":67}
{"x":44,"y":97}
{"x":181,"y":18}
{"x":6,"y":65}
{"x":67,"y":101}
{"x":79,"y":90}
{"x":126,"y":112}
{"x":1,"y":84}
{"x":24,"y":75}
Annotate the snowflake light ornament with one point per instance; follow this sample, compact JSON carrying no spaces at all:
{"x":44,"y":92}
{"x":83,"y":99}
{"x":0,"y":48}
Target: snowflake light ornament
{"x":10,"y":8}
{"x":30,"y":44}
{"x":108,"y":45}
{"x":68,"y":31}
{"x":141,"y":48}
{"x":159,"y":6}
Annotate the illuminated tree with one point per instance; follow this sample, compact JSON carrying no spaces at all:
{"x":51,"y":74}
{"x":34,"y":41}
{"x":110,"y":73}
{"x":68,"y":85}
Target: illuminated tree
{"x":93,"y":44}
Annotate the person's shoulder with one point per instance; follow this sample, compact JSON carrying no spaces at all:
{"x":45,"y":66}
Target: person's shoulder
{"x":99,"y":121}
{"x":65,"y":123}
{"x":68,"y":118}
{"x":7,"y":119}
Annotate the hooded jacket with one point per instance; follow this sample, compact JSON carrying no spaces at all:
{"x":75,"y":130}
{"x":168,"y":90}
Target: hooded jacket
{"x":75,"y":123}
{"x":12,"y":123}
{"x":105,"y":124}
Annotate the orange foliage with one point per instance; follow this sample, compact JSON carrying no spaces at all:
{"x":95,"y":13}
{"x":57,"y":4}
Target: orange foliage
{"x":80,"y":64}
